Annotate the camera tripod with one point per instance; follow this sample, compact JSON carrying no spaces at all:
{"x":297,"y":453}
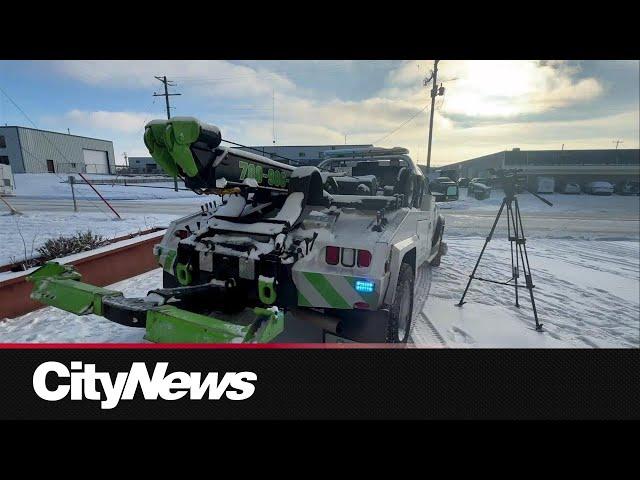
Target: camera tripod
{"x":515,"y":231}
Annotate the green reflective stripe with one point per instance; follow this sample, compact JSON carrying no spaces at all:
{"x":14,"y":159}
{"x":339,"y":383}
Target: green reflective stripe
{"x":302,"y":301}
{"x":322,"y":285}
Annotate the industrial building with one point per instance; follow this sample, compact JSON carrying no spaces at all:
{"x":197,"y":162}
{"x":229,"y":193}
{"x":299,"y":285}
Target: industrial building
{"x":143,"y":165}
{"x":40,"y":151}
{"x":301,"y":154}
{"x":580,"y":166}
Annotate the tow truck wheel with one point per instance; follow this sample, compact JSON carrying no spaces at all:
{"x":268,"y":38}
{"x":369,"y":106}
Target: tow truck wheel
{"x":402,"y":307}
{"x":436,"y":260}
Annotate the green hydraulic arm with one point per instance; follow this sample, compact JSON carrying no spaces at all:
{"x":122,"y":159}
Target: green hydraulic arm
{"x":60,"y":286}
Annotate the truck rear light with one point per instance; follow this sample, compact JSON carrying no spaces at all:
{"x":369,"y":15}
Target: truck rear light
{"x":361,"y":305}
{"x":348,"y":257}
{"x":364,"y":258}
{"x":332,"y":255}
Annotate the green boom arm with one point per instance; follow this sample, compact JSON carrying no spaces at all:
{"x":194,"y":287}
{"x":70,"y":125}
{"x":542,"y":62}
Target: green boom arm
{"x":60,"y":286}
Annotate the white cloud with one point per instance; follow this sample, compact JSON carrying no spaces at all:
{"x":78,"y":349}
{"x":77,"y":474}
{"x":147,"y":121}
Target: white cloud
{"x":490,"y":94}
{"x":213,"y":78}
{"x":124,"y":122}
{"x":497,"y":88}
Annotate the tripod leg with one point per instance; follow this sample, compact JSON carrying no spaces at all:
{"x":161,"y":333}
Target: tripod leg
{"x":487,"y":240}
{"x":514,"y":268}
{"x":526,"y":267}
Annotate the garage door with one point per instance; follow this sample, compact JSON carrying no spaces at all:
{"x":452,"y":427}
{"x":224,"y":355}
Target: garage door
{"x":96,"y":161}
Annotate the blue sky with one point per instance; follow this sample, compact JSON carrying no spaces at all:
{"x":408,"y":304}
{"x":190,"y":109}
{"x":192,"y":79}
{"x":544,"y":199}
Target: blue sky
{"x":488,"y":105}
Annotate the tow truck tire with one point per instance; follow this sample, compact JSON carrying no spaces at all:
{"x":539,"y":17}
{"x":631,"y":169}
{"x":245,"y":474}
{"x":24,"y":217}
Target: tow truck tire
{"x":401,"y":312}
{"x":436,"y":260}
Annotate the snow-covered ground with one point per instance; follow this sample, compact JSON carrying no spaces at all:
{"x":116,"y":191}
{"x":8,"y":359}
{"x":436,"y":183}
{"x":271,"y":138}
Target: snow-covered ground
{"x":583,"y":205}
{"x":585,"y":265}
{"x":50,"y":186}
{"x":21,"y":235}
{"x":587,"y":293}
{"x":51,"y":325}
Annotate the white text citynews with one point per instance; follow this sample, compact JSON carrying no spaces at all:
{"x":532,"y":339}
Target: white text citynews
{"x":81,"y":382}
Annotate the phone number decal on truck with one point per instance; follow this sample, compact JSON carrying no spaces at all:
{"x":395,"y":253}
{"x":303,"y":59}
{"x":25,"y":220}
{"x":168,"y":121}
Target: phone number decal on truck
{"x":274,"y":177}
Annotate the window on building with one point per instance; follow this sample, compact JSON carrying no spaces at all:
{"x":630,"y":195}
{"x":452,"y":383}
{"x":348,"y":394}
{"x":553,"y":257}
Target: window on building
{"x":4,"y":160}
{"x":7,"y":182}
{"x":51,"y":167}
{"x":301,"y":154}
{"x":3,"y":142}
{"x":73,"y":165}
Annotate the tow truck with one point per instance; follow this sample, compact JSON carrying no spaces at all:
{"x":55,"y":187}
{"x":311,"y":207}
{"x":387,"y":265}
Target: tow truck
{"x":335,"y":246}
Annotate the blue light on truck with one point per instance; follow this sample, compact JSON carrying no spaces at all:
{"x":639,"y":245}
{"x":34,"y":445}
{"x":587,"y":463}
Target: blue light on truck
{"x":364,"y":286}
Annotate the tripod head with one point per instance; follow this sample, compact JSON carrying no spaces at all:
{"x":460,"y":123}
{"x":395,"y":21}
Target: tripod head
{"x":514,"y":182}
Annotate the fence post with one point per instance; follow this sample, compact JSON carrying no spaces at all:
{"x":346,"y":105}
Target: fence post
{"x":73,"y":193}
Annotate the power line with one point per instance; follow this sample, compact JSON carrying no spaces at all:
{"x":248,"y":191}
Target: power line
{"x":48,"y":140}
{"x":402,"y":124}
{"x":197,"y":79}
{"x":291,"y":161}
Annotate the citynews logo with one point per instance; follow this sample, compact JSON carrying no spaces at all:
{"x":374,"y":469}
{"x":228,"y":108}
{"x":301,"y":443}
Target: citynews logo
{"x":83,"y":382}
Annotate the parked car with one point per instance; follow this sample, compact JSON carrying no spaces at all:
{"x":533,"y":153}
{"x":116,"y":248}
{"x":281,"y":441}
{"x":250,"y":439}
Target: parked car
{"x":481,"y":191}
{"x":475,"y":181}
{"x":599,"y":188}
{"x":570,"y":188}
{"x":628,"y":187}
{"x":444,"y":189}
{"x":463,"y":182}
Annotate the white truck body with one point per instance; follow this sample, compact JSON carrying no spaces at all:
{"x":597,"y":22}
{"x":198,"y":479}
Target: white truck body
{"x":373,"y":225}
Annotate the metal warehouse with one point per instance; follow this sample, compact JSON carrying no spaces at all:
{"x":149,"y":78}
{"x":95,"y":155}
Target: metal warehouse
{"x":580,"y":166}
{"x":40,"y":151}
{"x":143,"y":165}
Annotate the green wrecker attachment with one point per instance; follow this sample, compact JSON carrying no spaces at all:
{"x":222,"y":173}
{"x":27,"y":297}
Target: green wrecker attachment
{"x":60,"y":286}
{"x":170,"y":143}
{"x":190,"y":149}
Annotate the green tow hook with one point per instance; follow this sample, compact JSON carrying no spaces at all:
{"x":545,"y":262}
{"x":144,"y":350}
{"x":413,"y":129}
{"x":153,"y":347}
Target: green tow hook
{"x":266,"y":290}
{"x":183,"y":273}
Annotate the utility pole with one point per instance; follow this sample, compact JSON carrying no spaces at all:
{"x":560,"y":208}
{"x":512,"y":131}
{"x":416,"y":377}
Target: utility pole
{"x":435,"y":91}
{"x":166,"y":95}
{"x":273,"y":117}
{"x":617,"y":142}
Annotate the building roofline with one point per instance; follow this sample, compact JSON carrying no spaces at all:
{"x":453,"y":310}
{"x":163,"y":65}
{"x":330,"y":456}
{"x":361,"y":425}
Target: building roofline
{"x":538,"y":151}
{"x":18,"y":127}
{"x":301,"y":146}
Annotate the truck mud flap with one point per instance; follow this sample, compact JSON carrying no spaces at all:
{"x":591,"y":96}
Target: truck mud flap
{"x":364,"y":326}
